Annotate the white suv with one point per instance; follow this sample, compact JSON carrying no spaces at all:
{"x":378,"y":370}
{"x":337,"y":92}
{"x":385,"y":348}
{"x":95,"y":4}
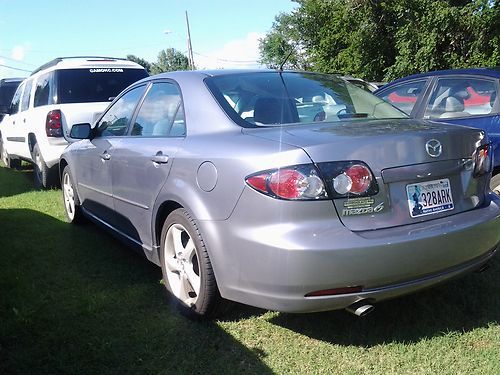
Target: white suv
{"x":57,"y":95}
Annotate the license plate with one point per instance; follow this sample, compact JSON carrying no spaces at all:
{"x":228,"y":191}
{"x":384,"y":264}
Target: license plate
{"x":426,"y":198}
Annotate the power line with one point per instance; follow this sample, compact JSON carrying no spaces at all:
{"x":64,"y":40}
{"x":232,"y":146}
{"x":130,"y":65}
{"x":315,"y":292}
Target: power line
{"x":11,"y":67}
{"x":16,"y":61}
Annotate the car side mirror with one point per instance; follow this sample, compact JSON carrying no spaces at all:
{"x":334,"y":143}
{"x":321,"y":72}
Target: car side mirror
{"x":81,"y":131}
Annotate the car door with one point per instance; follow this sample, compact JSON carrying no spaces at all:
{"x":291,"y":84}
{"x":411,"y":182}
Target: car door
{"x":466,"y":100}
{"x":143,"y":159}
{"x":94,"y":160}
{"x":16,"y":131}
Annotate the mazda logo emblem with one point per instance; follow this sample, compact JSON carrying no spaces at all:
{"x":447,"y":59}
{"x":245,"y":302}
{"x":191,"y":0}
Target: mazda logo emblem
{"x":433,"y":148}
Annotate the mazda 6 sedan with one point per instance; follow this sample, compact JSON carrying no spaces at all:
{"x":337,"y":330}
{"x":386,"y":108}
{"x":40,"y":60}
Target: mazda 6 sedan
{"x":288,"y":191}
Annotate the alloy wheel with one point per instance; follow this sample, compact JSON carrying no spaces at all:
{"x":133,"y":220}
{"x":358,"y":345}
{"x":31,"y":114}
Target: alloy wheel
{"x":69,"y":196}
{"x":182,"y":265}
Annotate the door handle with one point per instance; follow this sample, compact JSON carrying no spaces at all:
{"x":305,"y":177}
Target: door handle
{"x":105,"y":156}
{"x":159,"y":158}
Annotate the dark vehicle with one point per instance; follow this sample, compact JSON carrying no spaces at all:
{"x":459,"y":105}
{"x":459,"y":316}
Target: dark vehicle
{"x":8,"y":87}
{"x":461,"y":96}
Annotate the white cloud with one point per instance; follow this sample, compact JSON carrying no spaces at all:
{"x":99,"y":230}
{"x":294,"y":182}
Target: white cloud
{"x":18,"y":53}
{"x":242,"y":53}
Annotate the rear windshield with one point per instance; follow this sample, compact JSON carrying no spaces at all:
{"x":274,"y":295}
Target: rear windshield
{"x":274,"y":98}
{"x":95,"y":84}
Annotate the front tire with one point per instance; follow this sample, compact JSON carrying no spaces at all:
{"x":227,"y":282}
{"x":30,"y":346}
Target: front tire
{"x":70,"y":198}
{"x":186,"y":267}
{"x":43,"y":176}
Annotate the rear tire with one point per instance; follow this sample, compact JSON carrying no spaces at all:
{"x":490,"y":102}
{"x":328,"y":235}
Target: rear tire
{"x":495,"y":183}
{"x":70,"y":198}
{"x":187,"y":269}
{"x":43,"y":176}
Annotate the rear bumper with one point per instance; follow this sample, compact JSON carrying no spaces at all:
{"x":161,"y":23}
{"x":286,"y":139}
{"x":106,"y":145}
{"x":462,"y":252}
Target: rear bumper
{"x":273,"y":259}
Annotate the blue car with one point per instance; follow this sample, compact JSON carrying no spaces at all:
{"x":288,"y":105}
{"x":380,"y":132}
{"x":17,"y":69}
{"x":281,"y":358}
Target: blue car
{"x":459,"y":96}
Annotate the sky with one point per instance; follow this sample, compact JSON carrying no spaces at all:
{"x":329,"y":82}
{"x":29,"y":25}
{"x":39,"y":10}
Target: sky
{"x":224,"y":33}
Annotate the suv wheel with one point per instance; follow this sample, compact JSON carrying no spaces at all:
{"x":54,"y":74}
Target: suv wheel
{"x":44,"y":176}
{"x":186,"y":267}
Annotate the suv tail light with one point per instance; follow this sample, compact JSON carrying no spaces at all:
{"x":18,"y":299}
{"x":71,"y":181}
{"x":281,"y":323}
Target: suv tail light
{"x":300,"y":182}
{"x":53,"y":124}
{"x":482,"y":160}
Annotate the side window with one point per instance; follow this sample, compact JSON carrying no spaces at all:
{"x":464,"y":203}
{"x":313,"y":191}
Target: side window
{"x":16,"y":100}
{"x":161,"y":114}
{"x":26,"y":96}
{"x":115,"y":121}
{"x":461,"y":97}
{"x":42,"y":90}
{"x":405,"y":95}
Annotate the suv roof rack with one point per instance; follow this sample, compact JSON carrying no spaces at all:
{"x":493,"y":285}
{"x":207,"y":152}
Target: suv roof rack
{"x":57,"y":60}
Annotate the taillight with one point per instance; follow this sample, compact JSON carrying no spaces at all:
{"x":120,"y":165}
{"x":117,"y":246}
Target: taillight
{"x":348,"y":178}
{"x":299,"y":182}
{"x":356,"y":179}
{"x":482,"y":160}
{"x":53,"y":124}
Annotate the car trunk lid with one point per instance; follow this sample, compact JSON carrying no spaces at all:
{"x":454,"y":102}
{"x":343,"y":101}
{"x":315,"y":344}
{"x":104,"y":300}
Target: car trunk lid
{"x":403,"y":157}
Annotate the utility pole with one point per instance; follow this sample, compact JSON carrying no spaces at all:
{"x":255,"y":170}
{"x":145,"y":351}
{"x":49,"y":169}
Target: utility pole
{"x":190,"y":48}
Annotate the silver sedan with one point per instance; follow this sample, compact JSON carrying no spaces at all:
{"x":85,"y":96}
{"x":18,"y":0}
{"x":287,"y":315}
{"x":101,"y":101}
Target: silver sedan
{"x":289,"y":191}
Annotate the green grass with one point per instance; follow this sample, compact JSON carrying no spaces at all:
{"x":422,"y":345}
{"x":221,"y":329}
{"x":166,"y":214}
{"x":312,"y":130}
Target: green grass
{"x":75,"y":300}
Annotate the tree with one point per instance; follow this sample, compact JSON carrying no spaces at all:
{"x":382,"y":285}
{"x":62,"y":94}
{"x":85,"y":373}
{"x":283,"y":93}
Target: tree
{"x":283,"y":41}
{"x":145,"y":64}
{"x":170,"y":60}
{"x":384,"y":40}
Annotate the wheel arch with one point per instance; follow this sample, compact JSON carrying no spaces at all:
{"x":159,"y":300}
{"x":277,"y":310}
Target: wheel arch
{"x":31,"y":141}
{"x":165,"y":209}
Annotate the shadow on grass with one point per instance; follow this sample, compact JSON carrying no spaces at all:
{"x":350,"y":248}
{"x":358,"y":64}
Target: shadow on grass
{"x":15,"y":181}
{"x":457,"y":306}
{"x":74,"y":300}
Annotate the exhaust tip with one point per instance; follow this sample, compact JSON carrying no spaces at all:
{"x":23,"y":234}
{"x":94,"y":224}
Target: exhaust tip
{"x":361,"y":308}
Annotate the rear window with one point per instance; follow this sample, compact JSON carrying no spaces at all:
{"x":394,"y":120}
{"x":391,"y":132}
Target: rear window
{"x":274,"y":98}
{"x":94,"y":84}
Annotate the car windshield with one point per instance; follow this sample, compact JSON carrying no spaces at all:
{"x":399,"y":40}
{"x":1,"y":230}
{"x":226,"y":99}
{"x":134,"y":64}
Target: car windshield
{"x":94,"y":84}
{"x":274,"y":98}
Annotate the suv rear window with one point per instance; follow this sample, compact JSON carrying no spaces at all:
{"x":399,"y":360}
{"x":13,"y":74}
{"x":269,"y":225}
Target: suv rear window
{"x":94,"y":84}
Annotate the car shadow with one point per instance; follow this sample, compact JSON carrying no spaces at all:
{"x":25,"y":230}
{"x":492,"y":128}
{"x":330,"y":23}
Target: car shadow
{"x":14,"y":181}
{"x":74,"y":299}
{"x":460,"y":305}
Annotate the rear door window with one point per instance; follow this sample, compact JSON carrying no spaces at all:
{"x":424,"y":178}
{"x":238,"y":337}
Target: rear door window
{"x":94,"y":84}
{"x":405,"y":95}
{"x":161,"y":113}
{"x":461,"y":97}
